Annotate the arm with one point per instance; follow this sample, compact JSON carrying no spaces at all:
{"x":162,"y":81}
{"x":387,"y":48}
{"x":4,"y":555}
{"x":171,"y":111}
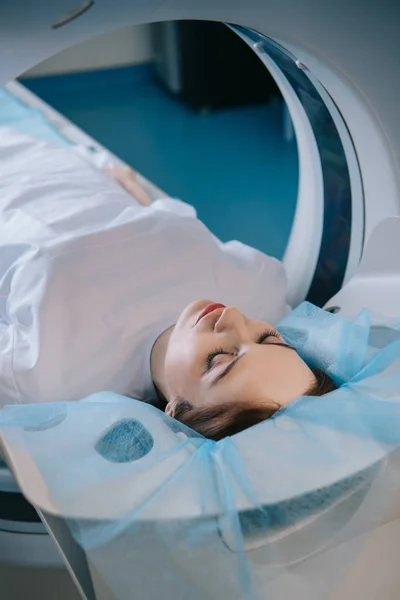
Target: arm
{"x":126,"y":177}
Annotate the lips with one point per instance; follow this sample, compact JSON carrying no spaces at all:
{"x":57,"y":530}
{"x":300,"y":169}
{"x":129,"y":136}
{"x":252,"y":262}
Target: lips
{"x":209,"y":309}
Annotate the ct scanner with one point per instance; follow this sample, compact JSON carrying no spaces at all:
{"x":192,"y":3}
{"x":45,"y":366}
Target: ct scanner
{"x":336,"y":63}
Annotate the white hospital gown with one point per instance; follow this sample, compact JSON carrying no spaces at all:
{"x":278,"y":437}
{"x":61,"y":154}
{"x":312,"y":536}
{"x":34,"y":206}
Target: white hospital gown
{"x":89,"y":278}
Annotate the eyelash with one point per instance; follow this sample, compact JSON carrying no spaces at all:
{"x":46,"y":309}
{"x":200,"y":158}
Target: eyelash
{"x":266,"y":334}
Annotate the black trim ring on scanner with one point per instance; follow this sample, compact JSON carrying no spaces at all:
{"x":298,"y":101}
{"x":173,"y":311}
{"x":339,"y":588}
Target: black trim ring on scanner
{"x":337,"y":196}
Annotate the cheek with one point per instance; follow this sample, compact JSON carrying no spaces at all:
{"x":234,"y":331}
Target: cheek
{"x":293,"y":378}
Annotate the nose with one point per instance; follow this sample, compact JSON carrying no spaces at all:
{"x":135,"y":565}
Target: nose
{"x":231,"y":320}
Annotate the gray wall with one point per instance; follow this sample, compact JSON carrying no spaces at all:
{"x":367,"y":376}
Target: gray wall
{"x":127,"y":46}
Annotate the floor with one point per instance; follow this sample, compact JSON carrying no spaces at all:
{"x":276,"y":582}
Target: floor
{"x":233,"y":165}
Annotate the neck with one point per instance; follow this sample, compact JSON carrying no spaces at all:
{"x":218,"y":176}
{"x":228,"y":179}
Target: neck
{"x":157,"y":362}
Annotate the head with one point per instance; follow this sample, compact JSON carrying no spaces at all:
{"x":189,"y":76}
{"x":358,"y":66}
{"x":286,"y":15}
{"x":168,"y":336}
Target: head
{"x":225,"y":372}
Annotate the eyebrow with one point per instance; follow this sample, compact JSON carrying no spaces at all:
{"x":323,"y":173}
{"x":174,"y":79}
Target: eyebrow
{"x":229,"y":368}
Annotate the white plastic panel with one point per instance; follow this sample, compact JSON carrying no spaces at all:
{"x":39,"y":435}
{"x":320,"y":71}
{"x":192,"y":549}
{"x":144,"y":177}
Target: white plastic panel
{"x":376,"y":283}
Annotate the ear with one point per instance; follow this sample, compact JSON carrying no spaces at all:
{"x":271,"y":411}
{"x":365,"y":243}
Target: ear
{"x":170,"y":409}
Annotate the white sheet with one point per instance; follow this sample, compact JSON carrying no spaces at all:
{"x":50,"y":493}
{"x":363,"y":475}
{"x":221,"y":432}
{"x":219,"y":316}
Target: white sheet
{"x":88,"y":276}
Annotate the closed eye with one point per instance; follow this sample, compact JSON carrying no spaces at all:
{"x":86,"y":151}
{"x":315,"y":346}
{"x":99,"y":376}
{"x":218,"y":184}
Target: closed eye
{"x":266,"y":334}
{"x":233,"y":362}
{"x":212,"y":355}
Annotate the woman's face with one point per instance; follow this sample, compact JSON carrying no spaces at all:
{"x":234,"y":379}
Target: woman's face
{"x":216,"y":355}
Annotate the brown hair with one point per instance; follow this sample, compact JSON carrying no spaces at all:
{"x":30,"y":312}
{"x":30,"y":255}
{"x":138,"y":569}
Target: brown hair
{"x":217,"y":422}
